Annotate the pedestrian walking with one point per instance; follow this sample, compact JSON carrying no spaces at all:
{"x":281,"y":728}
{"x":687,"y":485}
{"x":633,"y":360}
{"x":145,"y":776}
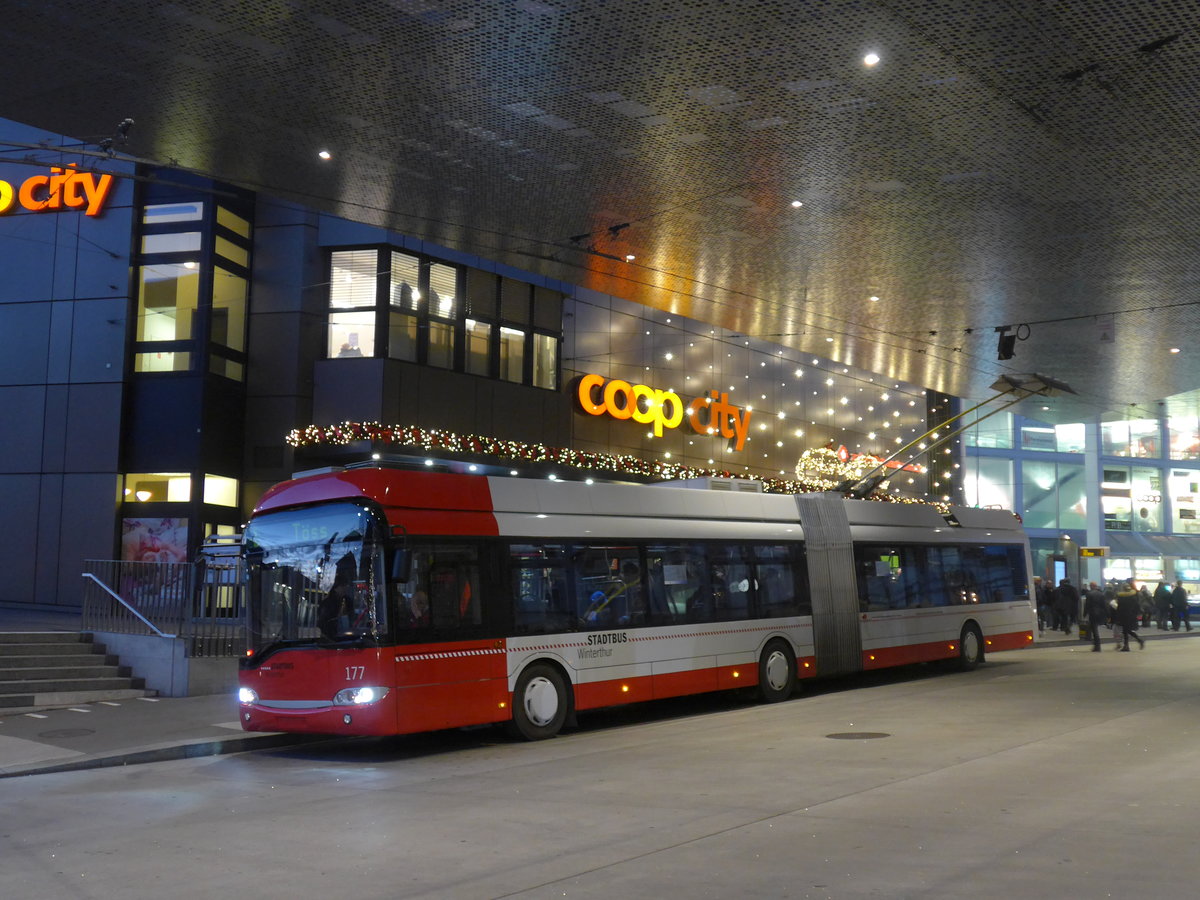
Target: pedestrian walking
{"x":1128,"y":612}
{"x":1066,"y":602}
{"x":1096,"y":609}
{"x":1162,"y":606}
{"x":1179,"y":608}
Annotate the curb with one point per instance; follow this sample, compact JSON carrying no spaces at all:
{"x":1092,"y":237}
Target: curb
{"x":165,"y":754}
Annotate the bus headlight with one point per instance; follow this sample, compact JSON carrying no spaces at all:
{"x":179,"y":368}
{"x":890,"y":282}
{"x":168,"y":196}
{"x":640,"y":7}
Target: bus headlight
{"x":359,"y":696}
{"x":247,"y":696}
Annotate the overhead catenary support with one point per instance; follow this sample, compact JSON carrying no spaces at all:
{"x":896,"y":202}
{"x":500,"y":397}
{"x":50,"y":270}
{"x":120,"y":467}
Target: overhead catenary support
{"x":1022,"y":387}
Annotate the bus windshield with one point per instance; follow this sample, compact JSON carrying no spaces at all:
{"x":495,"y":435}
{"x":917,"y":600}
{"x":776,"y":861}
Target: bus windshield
{"x":316,"y":577}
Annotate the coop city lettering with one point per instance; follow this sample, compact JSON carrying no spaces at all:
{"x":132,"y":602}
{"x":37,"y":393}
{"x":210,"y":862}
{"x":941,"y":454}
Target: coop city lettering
{"x":713,"y":414}
{"x":63,"y":188}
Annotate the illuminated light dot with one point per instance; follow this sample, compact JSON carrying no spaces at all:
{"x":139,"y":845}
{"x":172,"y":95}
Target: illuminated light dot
{"x":871,"y":59}
{"x":796,"y":204}
{"x":325,"y":154}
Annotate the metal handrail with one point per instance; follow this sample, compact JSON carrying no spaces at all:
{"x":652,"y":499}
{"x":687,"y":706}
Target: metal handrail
{"x":122,"y":601}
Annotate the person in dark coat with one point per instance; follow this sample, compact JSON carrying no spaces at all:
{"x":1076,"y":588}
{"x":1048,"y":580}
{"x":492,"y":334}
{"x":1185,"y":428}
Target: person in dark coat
{"x":1095,"y":609}
{"x":1066,"y":600}
{"x":1042,"y":596}
{"x":1179,"y":608}
{"x":1128,"y":612}
{"x":1162,"y":606}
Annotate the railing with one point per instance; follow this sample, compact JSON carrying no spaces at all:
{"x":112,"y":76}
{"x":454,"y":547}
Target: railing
{"x":199,"y":603}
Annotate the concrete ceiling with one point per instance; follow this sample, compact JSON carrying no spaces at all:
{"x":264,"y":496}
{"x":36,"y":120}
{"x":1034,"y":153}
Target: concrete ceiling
{"x":1005,"y":163}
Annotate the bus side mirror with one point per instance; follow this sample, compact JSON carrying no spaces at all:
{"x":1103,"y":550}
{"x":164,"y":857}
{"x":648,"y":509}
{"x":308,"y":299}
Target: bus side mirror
{"x":401,"y":565}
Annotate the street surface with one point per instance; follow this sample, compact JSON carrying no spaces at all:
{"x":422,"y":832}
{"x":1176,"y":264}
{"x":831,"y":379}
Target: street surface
{"x":1050,"y":772}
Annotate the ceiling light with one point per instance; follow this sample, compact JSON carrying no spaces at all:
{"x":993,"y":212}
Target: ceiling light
{"x":873,"y":299}
{"x":629,"y":257}
{"x":870,"y":59}
{"x":796,"y":204}
{"x":1174,"y":349}
{"x":325,"y":154}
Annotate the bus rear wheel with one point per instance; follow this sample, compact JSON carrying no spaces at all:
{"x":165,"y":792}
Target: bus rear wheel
{"x":540,"y":703}
{"x":970,"y":647}
{"x":776,"y":671}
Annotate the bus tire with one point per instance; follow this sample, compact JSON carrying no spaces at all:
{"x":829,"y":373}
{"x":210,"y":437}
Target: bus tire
{"x":970,"y":647}
{"x":776,"y":671}
{"x":541,"y":703}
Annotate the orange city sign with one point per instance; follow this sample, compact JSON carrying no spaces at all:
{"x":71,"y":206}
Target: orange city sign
{"x":713,"y":414}
{"x":64,"y":188}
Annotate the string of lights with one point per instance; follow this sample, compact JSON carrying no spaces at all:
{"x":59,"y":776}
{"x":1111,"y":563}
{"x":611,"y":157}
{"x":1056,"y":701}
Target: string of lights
{"x":819,"y":470}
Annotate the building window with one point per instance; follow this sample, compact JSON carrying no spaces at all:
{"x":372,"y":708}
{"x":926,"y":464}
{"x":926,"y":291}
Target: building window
{"x":442,"y":308}
{"x":404,"y":302}
{"x":433,"y":306}
{"x":162,"y":361}
{"x":234,"y":223}
{"x":988,"y":483}
{"x":1053,"y":438}
{"x":1146,"y":491}
{"x":229,"y":310}
{"x":227,"y":249}
{"x":512,"y":354}
{"x":479,"y":348}
{"x":1055,"y":495}
{"x":184,"y":242}
{"x":545,"y":361}
{"x":1184,"y":436}
{"x":168,"y":294}
{"x":1138,"y":438}
{"x":169,"y":213}
{"x":182,"y":297}
{"x":158,"y":487}
{"x":352,"y":291}
{"x":994,"y":432}
{"x":1184,"y":486}
{"x":1131,"y":497}
{"x":352,"y":280}
{"x":220,"y":491}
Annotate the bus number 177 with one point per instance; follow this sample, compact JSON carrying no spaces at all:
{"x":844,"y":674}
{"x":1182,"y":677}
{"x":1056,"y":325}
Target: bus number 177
{"x":355,"y":673}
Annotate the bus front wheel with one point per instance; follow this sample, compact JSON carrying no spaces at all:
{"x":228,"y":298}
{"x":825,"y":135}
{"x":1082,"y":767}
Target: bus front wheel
{"x":776,"y":672}
{"x":970,"y":647}
{"x":540,"y":703}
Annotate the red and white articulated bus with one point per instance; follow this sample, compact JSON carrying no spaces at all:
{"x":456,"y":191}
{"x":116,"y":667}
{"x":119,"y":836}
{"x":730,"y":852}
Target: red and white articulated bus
{"x":389,"y":601}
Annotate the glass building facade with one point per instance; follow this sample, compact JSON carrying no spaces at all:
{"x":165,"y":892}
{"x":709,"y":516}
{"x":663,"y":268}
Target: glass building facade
{"x":1131,"y":486}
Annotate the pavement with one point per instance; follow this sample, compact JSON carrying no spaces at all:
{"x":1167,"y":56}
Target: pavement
{"x":129,"y":732}
{"x":117,"y":733}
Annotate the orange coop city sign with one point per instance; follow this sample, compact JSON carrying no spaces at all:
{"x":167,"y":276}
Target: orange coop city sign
{"x":64,"y":188}
{"x":661,"y":409}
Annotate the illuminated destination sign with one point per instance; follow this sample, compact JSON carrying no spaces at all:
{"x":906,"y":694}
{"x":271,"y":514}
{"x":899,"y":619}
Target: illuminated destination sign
{"x":660,"y":409}
{"x":64,"y":188}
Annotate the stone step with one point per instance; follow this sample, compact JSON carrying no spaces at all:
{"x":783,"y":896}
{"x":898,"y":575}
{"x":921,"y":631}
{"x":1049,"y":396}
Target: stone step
{"x":43,"y":637}
{"x":60,"y":673}
{"x":54,"y":685}
{"x":73,"y":659}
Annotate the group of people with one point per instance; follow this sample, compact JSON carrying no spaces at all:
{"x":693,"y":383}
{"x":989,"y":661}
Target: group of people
{"x":1120,"y":604}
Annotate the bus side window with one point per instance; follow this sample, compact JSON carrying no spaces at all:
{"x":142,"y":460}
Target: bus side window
{"x":540,"y":599}
{"x":776,"y":581}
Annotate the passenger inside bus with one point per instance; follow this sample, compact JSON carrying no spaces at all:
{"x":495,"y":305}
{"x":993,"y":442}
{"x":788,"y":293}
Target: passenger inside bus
{"x":336,"y":609}
{"x":418,"y":609}
{"x":632,"y":595}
